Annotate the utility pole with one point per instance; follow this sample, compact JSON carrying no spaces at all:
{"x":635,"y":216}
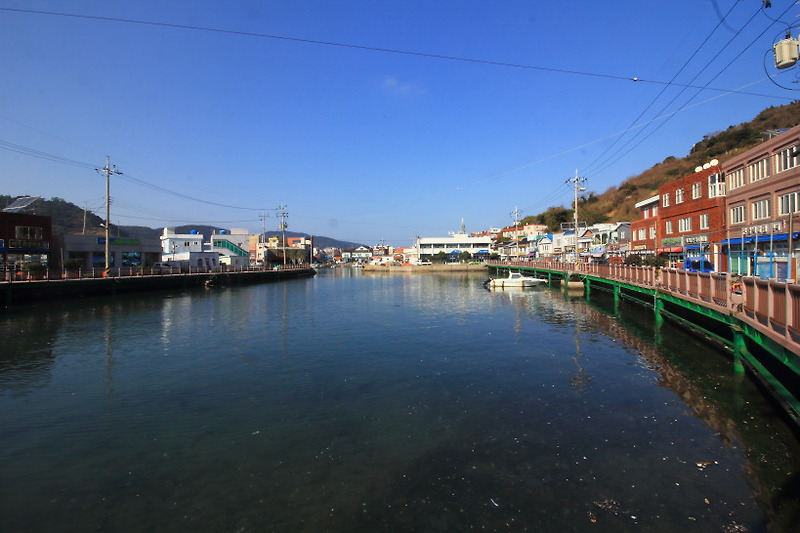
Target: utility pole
{"x":283,"y":225}
{"x":515,"y":213}
{"x":577,"y":181}
{"x":263,"y":217}
{"x":108,"y":169}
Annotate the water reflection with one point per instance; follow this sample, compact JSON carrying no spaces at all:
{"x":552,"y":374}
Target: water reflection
{"x":352,"y":402}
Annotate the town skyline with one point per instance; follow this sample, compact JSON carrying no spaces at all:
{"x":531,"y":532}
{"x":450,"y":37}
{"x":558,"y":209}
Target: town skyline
{"x":368,"y":122}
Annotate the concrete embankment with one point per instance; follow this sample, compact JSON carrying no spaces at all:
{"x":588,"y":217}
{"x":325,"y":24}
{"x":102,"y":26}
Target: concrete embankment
{"x":437,"y":268}
{"x":22,"y":292}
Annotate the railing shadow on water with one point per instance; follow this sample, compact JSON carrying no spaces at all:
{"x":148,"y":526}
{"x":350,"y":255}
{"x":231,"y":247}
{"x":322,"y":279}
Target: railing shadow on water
{"x":769,"y":305}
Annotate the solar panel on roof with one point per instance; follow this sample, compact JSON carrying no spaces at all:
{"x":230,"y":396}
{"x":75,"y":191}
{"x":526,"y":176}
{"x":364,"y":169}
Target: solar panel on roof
{"x":20,"y":203}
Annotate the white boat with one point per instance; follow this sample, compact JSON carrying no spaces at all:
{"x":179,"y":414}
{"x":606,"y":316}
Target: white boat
{"x":514,"y":279}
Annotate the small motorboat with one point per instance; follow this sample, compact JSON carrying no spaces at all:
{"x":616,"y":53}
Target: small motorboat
{"x":514,"y":279}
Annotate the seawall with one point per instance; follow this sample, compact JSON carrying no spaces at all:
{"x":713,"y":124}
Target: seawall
{"x":22,"y":292}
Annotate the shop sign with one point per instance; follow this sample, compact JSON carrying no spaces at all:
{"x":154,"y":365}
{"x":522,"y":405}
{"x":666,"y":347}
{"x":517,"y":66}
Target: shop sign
{"x":118,"y":241}
{"x":696,"y":239}
{"x":27,"y":243}
{"x":671,"y":241}
{"x":764,"y":229}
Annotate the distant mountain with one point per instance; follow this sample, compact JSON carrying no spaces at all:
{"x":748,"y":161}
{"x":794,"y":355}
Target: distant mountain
{"x":68,"y":218}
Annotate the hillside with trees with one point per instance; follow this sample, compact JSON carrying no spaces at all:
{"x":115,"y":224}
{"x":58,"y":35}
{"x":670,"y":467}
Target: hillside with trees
{"x":68,"y":218}
{"x":617,"y":203}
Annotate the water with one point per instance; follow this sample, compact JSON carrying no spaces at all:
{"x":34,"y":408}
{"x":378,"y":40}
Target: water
{"x":379,"y":403}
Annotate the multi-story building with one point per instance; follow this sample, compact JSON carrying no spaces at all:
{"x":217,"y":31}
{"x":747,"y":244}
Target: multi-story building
{"x":427,"y":247}
{"x":186,"y":250}
{"x":644,"y":232}
{"x":762,"y":204}
{"x":692,"y":216}
{"x":24,"y":239}
{"x":232,"y":246}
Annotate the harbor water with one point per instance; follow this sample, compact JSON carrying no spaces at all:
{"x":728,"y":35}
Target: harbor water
{"x":366,"y":402}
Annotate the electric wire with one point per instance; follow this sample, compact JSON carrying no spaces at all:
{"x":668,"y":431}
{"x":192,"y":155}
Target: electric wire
{"x":608,"y":163}
{"x":588,"y":168}
{"x":361,"y":47}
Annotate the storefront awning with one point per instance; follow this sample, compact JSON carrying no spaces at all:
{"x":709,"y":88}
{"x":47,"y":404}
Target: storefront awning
{"x":760,"y":238}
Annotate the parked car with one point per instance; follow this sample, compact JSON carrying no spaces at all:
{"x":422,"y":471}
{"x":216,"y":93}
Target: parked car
{"x":420,"y":263}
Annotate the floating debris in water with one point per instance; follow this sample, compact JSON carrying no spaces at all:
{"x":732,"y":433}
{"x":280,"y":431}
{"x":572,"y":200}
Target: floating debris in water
{"x":703,"y":464}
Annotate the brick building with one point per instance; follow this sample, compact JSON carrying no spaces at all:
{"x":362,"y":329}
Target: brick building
{"x":762,"y":203}
{"x":644,"y":232}
{"x":692,"y":216}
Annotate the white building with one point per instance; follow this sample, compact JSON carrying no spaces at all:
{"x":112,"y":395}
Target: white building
{"x":427,"y":247}
{"x":232,"y":246}
{"x":185,"y":250}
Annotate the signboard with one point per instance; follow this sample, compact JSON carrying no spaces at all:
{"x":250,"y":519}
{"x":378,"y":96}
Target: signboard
{"x":696,"y":239}
{"x":119,"y":241}
{"x":28,"y":244}
{"x":764,"y":229}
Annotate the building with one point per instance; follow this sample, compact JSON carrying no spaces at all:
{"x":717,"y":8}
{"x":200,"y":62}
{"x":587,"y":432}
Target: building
{"x":232,"y":246}
{"x":644,"y":232}
{"x":692,"y":217}
{"x":24,"y":239}
{"x":186,"y":250}
{"x":762,"y":204}
{"x":124,"y":253}
{"x":455,"y":244}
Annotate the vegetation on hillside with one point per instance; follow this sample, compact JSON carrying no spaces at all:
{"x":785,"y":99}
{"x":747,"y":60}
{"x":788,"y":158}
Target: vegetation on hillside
{"x":617,"y":203}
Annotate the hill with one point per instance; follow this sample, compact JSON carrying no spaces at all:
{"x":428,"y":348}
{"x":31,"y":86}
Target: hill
{"x":617,"y":203}
{"x":68,"y":218}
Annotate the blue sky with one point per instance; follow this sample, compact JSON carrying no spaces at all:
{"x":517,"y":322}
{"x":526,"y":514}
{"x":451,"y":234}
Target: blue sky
{"x":361,"y":142}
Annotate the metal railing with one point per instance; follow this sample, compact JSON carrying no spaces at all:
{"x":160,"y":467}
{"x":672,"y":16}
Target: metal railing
{"x":771,"y":306}
{"x":17,"y":276}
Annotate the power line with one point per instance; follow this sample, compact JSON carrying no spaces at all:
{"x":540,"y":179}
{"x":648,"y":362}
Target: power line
{"x":588,"y":167}
{"x":723,"y":69}
{"x":364,"y":48}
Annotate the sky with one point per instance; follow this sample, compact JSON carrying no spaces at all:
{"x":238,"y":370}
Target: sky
{"x":369,"y":121}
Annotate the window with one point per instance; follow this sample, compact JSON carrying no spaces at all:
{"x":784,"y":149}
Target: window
{"x":655,"y":210}
{"x":668,"y":227}
{"x":788,"y":203}
{"x":761,"y":209}
{"x":736,"y":178}
{"x":716,"y":186}
{"x":665,"y":200}
{"x":787,"y":158}
{"x":737,"y":214}
{"x":646,"y":213}
{"x":641,"y":234}
{"x":685,"y":224}
{"x":704,"y":221}
{"x":28,"y":233}
{"x":652,"y":232}
{"x":758,"y":170}
{"x":697,"y":190}
{"x":679,"y":196}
